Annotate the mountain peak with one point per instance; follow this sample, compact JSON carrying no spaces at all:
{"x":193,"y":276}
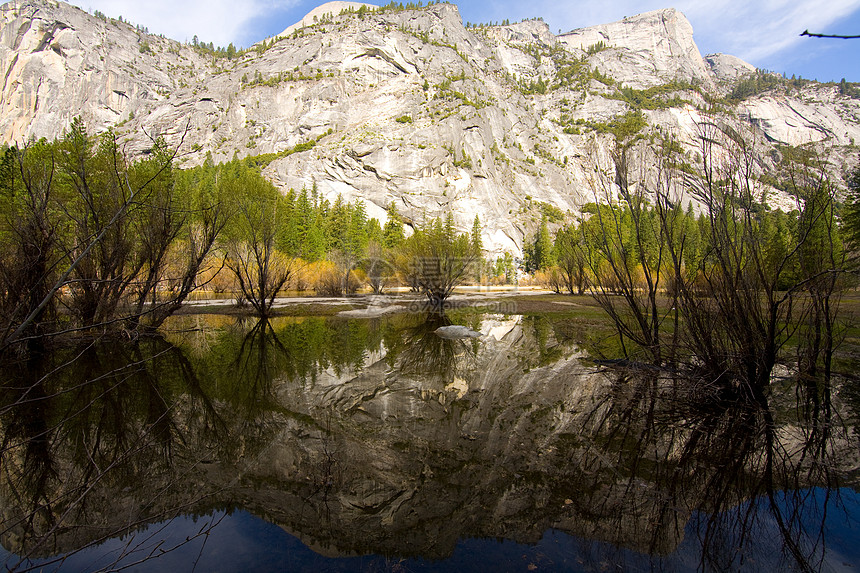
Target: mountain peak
{"x":323,"y":10}
{"x":404,"y":105}
{"x":646,"y":49}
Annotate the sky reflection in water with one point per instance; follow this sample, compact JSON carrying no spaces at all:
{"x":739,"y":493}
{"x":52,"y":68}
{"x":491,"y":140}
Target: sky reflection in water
{"x":239,"y":541}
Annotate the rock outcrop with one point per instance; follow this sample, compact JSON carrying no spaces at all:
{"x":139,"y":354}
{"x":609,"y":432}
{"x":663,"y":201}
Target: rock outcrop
{"x":728,"y":68}
{"x":325,"y":11}
{"x":406,"y":106}
{"x":645,"y":50}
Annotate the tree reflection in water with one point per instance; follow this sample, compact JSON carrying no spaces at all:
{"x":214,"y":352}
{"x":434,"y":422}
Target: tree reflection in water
{"x":423,"y":352}
{"x":83,"y":424}
{"x":378,"y":436}
{"x":719,"y":457}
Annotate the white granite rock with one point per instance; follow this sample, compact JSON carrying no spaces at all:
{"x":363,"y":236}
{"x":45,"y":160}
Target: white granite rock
{"x":406,"y":106}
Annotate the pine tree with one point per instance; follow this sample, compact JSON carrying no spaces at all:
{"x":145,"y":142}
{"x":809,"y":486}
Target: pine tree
{"x":374,"y":231}
{"x":477,"y":244}
{"x":356,"y":236}
{"x":337,"y":223}
{"x":305,"y":216}
{"x":315,"y":243}
{"x":288,"y":239}
{"x":449,"y":229}
{"x":392,"y":233}
{"x":543,"y":247}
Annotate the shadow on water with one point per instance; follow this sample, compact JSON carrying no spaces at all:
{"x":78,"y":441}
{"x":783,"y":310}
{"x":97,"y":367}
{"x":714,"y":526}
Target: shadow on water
{"x":379,"y":437}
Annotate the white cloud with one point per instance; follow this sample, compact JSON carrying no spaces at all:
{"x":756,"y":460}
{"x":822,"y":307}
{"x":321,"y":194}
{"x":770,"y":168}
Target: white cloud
{"x":758,"y":30}
{"x":218,"y":21}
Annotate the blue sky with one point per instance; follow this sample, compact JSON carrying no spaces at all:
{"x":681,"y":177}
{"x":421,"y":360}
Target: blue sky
{"x":763,"y":32}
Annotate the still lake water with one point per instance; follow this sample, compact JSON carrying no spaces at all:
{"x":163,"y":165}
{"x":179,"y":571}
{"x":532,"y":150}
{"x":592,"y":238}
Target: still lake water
{"x":334,"y":444}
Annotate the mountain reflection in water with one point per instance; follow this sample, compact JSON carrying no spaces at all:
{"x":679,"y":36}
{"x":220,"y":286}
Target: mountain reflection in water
{"x":381,"y":445}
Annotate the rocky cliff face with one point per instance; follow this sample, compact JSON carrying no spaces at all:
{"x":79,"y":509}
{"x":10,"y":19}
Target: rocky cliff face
{"x":59,"y":62}
{"x":404,"y":105}
{"x":645,"y":50}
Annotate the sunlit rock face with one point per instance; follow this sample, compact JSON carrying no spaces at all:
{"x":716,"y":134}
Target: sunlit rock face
{"x":728,"y":68}
{"x":814,"y":117}
{"x":404,"y":106}
{"x":645,"y":50}
{"x":59,"y":62}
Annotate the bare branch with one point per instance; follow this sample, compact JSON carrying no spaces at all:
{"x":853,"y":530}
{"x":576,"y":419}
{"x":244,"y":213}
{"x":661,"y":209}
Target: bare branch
{"x":837,"y":36}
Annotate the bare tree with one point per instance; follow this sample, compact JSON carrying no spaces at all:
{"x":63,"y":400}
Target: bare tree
{"x":90,"y":199}
{"x":755,"y":301}
{"x":260,"y":269}
{"x":727,"y":314}
{"x":377,"y":267}
{"x":571,"y":259}
{"x":205,"y":212}
{"x":629,"y":251}
{"x":837,"y":36}
{"x":28,"y":260}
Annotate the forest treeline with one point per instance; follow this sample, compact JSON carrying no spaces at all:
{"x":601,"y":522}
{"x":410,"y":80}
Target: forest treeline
{"x":91,"y":240}
{"x":574,"y":258}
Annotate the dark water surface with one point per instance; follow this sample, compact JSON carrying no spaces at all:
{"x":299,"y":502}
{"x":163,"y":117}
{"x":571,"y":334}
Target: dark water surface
{"x":332,"y":444}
